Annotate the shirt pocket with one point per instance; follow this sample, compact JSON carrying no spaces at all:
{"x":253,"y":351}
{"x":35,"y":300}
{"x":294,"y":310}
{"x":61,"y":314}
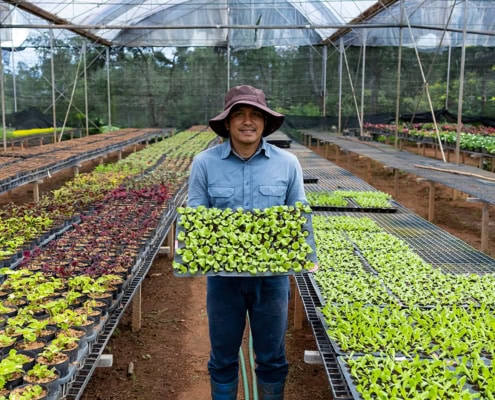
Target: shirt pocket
{"x":272,"y":195}
{"x":221,"y":196}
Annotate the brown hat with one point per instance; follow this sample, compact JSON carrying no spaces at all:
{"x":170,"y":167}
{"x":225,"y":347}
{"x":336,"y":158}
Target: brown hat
{"x":249,"y":95}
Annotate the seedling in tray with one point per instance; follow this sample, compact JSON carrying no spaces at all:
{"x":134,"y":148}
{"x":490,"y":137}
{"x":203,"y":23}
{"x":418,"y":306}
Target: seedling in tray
{"x":269,"y":241}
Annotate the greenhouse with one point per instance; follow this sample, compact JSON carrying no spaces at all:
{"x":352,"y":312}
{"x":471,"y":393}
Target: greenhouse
{"x":387,"y":107}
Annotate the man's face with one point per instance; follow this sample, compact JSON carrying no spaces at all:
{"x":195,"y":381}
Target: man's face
{"x":245,"y":125}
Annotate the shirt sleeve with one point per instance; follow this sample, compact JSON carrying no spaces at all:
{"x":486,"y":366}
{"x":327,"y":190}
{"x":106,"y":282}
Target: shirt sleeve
{"x":197,"y":194}
{"x":295,"y":190}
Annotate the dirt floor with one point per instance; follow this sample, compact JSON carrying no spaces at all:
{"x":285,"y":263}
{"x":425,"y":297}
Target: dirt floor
{"x":166,"y":359}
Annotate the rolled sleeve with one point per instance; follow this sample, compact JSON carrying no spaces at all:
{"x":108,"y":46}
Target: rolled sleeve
{"x":198,"y":185}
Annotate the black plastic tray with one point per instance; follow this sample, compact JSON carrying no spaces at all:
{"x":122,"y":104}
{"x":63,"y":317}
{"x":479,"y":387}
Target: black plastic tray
{"x":354,"y":207}
{"x":311,"y":257}
{"x":310,"y":179}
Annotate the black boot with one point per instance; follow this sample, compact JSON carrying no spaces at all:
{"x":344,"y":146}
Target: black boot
{"x":270,"y":391}
{"x":224,"y":391}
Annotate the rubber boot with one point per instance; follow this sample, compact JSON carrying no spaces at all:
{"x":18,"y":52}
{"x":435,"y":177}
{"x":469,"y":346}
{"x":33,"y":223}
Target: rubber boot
{"x":270,"y":391}
{"x":224,"y":391}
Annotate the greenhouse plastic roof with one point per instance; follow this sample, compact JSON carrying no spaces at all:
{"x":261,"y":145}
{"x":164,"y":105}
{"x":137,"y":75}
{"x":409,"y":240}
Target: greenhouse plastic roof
{"x":252,"y":23}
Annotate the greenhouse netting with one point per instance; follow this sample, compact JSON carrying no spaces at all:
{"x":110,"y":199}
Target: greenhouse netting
{"x":169,"y":63}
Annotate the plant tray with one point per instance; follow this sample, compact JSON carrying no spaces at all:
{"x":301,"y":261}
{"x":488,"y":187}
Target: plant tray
{"x":311,"y":257}
{"x":336,"y":347}
{"x":354,"y":207}
{"x":349,"y":380}
{"x":310,"y":179}
{"x":283,"y":144}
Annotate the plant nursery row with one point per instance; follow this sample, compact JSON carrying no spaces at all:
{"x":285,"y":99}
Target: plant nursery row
{"x":472,"y":138}
{"x":401,"y":328}
{"x":19,"y":167}
{"x":68,"y":260}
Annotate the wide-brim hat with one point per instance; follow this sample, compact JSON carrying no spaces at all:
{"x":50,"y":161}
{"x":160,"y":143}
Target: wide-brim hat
{"x":245,"y":94}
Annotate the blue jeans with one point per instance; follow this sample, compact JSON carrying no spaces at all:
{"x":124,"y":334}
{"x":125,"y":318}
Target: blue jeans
{"x":266,"y":300}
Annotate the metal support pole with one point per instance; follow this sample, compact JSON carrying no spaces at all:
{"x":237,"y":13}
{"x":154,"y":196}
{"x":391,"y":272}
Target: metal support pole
{"x":341,"y":65}
{"x":2,"y":89}
{"x":14,"y":86}
{"x":361,"y":123}
{"x":461,"y":87}
{"x":399,"y":65}
{"x":108,"y":89}
{"x":324,"y":81}
{"x":54,"y":99}
{"x":86,"y":107}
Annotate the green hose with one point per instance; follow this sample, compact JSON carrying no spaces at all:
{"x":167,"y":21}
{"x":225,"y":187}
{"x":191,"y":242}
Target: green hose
{"x":251,"y":362}
{"x":244,"y":374}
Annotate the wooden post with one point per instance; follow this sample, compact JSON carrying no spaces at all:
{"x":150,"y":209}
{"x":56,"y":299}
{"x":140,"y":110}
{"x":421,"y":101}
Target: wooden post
{"x":396,"y":183}
{"x":485,"y":219}
{"x":368,"y":170}
{"x":337,"y":153}
{"x":298,"y":311}
{"x":119,"y":154}
{"x":431,"y":202}
{"x":171,"y":241}
{"x":327,"y":150}
{"x":136,"y":310}
{"x":36,"y":190}
{"x":431,"y":198}
{"x":75,"y":169}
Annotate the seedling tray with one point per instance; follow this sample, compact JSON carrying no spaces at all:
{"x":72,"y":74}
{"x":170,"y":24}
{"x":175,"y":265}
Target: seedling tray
{"x":336,"y":348}
{"x":310,"y":179}
{"x":217,"y":246}
{"x":354,"y":207}
{"x":281,"y":143}
{"x":349,"y":380}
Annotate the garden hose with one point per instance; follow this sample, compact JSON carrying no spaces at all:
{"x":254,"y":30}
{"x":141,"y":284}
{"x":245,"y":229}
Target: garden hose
{"x":251,"y":362}
{"x":244,"y":374}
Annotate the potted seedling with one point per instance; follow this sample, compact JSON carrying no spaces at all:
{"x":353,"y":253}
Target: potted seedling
{"x":11,"y":372}
{"x":43,"y":329}
{"x":29,"y":392}
{"x":6,"y":343}
{"x":24,"y":358}
{"x":29,"y":341}
{"x":43,"y":374}
{"x":54,"y":356}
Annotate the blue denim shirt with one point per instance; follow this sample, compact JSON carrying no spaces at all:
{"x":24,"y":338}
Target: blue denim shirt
{"x":219,"y":178}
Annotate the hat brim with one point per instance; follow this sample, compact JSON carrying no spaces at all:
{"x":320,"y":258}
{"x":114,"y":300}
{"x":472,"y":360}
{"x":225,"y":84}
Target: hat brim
{"x":274,"y":119}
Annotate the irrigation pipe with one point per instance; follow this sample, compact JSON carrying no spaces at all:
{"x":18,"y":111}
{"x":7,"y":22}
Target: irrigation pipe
{"x":244,"y":374}
{"x":251,"y":362}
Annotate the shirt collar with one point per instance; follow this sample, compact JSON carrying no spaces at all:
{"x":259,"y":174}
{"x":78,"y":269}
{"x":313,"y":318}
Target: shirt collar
{"x":263,"y":148}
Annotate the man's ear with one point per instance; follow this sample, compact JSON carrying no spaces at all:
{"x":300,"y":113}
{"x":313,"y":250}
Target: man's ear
{"x":226,"y":123}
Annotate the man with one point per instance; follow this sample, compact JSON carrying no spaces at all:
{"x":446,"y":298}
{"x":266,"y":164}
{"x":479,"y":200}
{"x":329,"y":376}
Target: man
{"x":246,"y":171}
